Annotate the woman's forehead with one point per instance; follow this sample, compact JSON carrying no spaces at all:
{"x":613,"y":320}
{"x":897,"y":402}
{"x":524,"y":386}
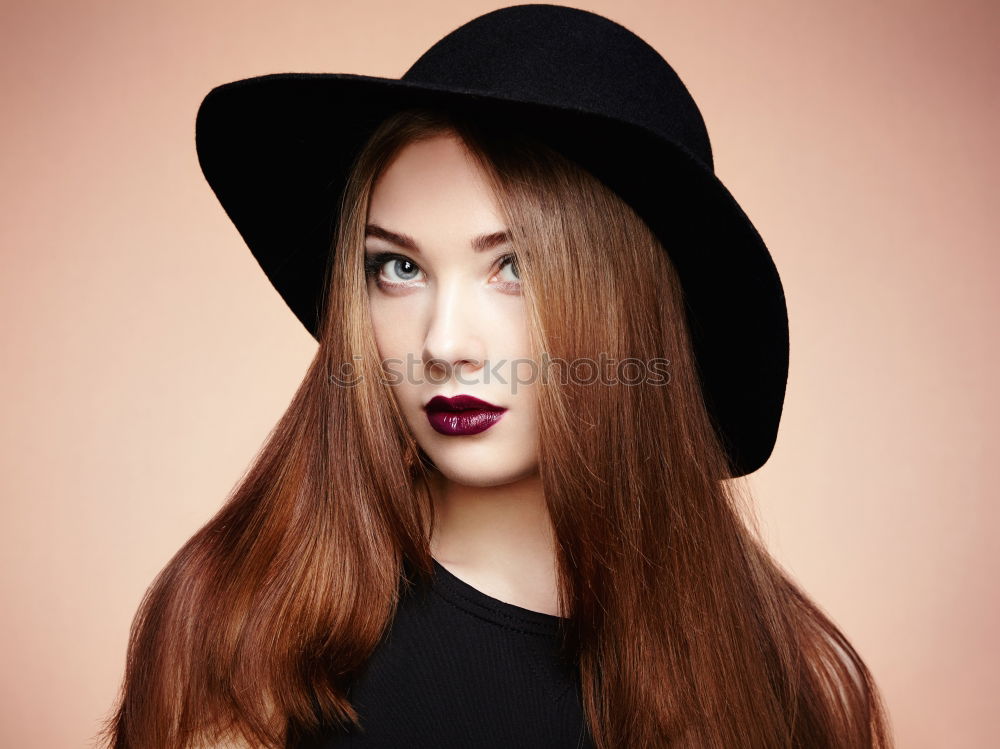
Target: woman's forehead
{"x":434,"y":192}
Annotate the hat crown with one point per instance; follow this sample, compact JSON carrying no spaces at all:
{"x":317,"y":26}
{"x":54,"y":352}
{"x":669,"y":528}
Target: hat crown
{"x":570,"y":58}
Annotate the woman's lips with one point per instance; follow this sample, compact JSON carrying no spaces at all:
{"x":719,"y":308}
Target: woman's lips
{"x":462,"y":414}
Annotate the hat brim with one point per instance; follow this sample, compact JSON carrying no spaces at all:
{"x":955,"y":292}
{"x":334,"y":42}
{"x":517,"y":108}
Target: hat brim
{"x":276,"y":150}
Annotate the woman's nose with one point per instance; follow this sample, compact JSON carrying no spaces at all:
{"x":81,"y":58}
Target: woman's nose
{"x":454,"y":342}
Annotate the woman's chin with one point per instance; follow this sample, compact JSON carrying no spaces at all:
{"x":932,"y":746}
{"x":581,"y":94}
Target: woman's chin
{"x":489,"y":469}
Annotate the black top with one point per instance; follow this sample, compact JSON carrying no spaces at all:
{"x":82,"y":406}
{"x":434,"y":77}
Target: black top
{"x":459,"y":669}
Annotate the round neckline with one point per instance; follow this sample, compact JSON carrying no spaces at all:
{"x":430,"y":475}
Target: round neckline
{"x":483,"y":606}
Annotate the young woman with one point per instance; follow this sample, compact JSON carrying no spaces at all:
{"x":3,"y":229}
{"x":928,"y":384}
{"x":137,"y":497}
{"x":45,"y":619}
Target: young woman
{"x":503,"y":508}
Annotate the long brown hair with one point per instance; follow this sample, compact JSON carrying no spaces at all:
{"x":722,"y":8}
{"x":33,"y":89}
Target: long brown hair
{"x":686,"y":631}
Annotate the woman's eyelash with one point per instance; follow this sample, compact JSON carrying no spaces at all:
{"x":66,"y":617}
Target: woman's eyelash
{"x":374,"y":263}
{"x":512,"y":258}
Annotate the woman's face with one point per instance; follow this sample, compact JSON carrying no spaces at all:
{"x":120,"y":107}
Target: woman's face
{"x":448,"y":313}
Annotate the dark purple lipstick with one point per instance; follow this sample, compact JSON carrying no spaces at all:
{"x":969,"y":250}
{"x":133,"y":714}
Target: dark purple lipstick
{"x":462,"y":414}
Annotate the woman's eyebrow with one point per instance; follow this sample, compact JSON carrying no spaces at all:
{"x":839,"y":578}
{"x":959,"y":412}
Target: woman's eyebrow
{"x":480,"y":244}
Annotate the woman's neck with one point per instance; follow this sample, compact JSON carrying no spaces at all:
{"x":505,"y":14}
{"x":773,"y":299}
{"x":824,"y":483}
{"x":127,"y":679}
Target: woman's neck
{"x":498,"y":539}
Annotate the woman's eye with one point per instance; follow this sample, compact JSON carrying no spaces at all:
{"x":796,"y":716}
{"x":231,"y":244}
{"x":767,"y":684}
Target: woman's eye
{"x":395,"y":268}
{"x":510,"y":262}
{"x":389,"y":269}
{"x":404,"y":268}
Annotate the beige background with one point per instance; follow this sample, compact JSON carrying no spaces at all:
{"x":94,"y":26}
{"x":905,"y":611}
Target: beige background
{"x":145,"y":356}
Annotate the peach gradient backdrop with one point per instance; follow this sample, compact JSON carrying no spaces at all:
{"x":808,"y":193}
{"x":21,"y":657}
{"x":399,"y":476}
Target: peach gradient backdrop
{"x":145,"y":356}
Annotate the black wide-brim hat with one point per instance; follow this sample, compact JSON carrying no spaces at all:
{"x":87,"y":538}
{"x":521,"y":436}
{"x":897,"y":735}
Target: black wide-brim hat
{"x":276,"y":149}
